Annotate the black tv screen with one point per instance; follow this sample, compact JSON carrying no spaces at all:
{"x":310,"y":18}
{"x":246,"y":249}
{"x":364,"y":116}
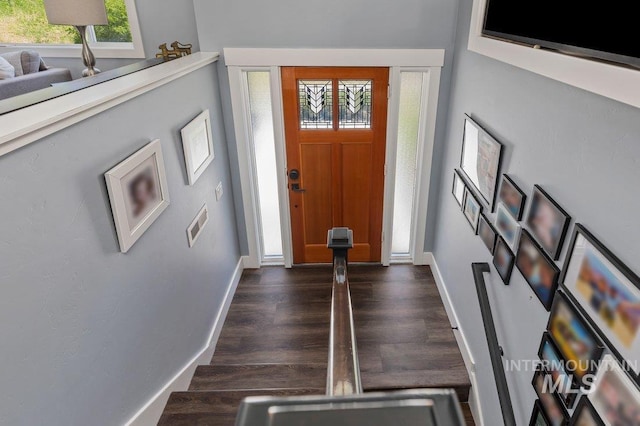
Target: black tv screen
{"x":608,"y":30}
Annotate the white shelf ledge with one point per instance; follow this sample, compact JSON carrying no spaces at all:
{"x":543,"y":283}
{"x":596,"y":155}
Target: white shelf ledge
{"x":30,"y":124}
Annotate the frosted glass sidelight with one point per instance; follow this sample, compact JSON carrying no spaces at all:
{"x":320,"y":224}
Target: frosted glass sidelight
{"x":406,"y":161}
{"x":263,"y":141}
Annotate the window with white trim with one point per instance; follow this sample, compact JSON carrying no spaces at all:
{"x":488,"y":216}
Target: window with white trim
{"x":24,"y":25}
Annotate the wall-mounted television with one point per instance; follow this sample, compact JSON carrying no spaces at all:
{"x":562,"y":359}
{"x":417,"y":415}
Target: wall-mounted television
{"x":605,"y":31}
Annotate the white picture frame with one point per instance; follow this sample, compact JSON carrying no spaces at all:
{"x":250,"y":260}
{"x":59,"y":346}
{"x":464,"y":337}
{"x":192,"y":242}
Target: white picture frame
{"x":197,"y":143}
{"x":507,"y":226}
{"x":138,"y":192}
{"x":611,"y":382}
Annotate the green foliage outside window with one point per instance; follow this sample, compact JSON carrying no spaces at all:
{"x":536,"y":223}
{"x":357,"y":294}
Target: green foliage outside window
{"x":25,"y":21}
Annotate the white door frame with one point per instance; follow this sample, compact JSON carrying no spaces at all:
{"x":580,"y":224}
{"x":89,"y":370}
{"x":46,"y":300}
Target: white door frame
{"x":241,"y":60}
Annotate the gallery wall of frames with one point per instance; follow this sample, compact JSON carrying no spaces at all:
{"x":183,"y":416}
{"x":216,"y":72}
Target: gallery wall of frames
{"x":138,"y":188}
{"x":591,"y":348}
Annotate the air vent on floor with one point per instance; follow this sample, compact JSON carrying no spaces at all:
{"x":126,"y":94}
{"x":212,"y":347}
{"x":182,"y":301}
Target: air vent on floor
{"x":198,"y":224}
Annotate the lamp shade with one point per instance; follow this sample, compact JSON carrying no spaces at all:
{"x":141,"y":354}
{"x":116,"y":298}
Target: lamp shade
{"x":76,"y":12}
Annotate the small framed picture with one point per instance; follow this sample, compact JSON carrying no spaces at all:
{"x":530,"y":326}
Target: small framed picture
{"x":503,"y":260}
{"x":548,"y":222}
{"x":615,"y":398}
{"x":538,"y":416}
{"x":458,"y":187}
{"x":507,"y":226}
{"x":197,"y":226}
{"x":487,"y":233}
{"x":585,"y":414}
{"x":472,"y":210}
{"x":549,"y":401}
{"x":607,"y":292}
{"x":197,"y":143}
{"x":481,"y":156}
{"x":540,"y":272}
{"x":554,"y":365}
{"x":577,"y":343}
{"x":512,"y":197}
{"x":138,"y":192}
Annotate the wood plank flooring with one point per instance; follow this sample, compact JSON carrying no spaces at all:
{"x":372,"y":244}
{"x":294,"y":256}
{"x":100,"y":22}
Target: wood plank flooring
{"x":275,"y":340}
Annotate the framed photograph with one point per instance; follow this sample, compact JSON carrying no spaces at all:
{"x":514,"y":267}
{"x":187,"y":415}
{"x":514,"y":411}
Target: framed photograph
{"x":507,"y":226}
{"x":548,"y":222}
{"x":554,"y":365}
{"x":196,"y":227}
{"x":138,"y":192}
{"x":503,"y":260}
{"x":615,"y":397}
{"x":197,"y":143}
{"x":577,"y":343}
{"x":549,"y":401}
{"x":585,"y":414}
{"x":487,"y":233}
{"x":538,"y":417}
{"x":606,"y":292}
{"x":472,"y":210}
{"x":481,"y":156}
{"x":458,"y":187}
{"x":512,"y":197}
{"x":540,"y":272}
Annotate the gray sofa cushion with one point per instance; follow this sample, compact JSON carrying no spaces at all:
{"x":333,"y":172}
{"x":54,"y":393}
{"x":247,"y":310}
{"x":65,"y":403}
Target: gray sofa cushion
{"x":31,"y":82}
{"x":6,"y":69}
{"x":25,"y":61}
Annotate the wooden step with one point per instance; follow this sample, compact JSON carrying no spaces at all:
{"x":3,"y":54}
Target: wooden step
{"x":259,"y":376}
{"x":216,"y":408}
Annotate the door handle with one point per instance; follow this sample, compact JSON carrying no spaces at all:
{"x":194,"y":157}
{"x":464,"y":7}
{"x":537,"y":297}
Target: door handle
{"x":295,"y":187}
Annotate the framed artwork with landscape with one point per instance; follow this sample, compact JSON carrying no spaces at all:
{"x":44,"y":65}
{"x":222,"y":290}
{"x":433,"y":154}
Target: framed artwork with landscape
{"x":548,"y":222}
{"x":138,"y":192}
{"x":607,"y":292}
{"x":481,"y":156}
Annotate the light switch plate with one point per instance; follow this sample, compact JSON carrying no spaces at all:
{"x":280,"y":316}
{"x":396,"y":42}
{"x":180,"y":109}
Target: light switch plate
{"x":219,"y":191}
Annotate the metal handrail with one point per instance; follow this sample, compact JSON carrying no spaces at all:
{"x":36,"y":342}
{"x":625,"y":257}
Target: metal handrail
{"x":343,"y":375}
{"x":495,"y":350}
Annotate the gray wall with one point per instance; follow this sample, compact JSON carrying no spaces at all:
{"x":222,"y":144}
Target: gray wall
{"x":88,"y":334}
{"x":330,"y":24}
{"x":160,"y":22}
{"x":581,"y":147}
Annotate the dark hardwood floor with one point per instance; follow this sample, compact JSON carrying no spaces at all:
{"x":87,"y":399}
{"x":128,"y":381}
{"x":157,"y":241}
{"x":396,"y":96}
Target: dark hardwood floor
{"x":275,"y":340}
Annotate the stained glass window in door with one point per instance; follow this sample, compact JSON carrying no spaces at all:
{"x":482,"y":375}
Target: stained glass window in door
{"x":355,"y":104}
{"x":316,"y":104}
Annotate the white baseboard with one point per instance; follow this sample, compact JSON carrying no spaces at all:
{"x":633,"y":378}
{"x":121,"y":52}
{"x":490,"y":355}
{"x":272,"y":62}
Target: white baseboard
{"x":151,"y":412}
{"x":465,"y":349}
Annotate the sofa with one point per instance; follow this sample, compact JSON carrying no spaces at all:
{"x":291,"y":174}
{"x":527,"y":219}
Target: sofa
{"x":29,"y":73}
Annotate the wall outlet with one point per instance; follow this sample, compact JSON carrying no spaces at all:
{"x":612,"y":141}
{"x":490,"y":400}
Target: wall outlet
{"x":219,"y":191}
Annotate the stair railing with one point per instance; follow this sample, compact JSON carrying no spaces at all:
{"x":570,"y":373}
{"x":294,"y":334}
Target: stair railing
{"x":343,"y":375}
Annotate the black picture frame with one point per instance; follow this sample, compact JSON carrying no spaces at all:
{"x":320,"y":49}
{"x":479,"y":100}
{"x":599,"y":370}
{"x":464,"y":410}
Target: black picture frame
{"x":515,"y":207}
{"x":552,"y":240}
{"x":546,"y":399}
{"x":487,"y":233}
{"x":573,"y":291}
{"x":458,"y":182}
{"x":562,"y":305}
{"x":469,"y":164}
{"x":583,"y":408}
{"x":470,"y":200}
{"x":503,"y":260}
{"x":539,"y":261}
{"x":538,"y":413}
{"x":557,"y":364}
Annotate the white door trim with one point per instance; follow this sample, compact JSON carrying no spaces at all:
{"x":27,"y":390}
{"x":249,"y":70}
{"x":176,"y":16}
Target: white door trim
{"x":240,"y":60}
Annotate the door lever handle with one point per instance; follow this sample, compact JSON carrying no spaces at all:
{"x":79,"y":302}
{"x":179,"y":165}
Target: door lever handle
{"x":295,"y":187}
